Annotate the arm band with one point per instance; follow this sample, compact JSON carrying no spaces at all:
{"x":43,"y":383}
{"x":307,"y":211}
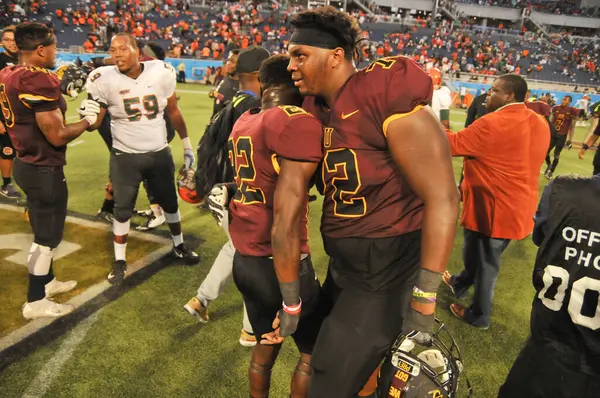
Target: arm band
{"x":292,"y":310}
{"x":585,"y":147}
{"x":424,"y":297}
{"x":427,"y":285}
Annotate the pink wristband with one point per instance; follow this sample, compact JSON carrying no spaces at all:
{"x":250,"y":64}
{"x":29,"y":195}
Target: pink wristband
{"x":292,"y":310}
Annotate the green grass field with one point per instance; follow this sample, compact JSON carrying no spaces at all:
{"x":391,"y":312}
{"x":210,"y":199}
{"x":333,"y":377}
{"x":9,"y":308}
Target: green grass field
{"x":143,"y":344}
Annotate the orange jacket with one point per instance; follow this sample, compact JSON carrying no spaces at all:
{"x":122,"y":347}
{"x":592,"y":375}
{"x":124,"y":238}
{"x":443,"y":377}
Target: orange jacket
{"x":504,"y":151}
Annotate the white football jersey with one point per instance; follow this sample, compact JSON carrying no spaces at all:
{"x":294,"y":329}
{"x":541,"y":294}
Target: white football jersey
{"x":442,"y":99}
{"x":136,"y":106}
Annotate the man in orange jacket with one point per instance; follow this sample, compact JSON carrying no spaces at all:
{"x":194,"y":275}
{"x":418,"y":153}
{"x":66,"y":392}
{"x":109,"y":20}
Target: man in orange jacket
{"x":504,"y":151}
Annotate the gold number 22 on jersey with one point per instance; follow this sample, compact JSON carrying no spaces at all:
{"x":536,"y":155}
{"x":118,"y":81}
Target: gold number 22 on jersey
{"x":343,"y":161}
{"x":244,"y":174}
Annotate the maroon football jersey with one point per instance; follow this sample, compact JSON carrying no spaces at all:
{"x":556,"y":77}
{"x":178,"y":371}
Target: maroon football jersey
{"x":366,"y":194}
{"x":539,"y":107}
{"x":256,"y":143}
{"x":25,"y":90}
{"x":562,"y":117}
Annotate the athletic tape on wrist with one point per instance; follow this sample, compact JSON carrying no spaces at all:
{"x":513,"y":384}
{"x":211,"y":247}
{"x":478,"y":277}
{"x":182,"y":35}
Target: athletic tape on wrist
{"x":187,"y":144}
{"x":428,"y":281}
{"x":417,"y":321}
{"x":290,"y":292}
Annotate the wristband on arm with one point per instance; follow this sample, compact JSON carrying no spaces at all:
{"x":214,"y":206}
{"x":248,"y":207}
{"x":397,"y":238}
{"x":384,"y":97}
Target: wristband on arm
{"x":292,"y":310}
{"x":425,"y":290}
{"x":187,"y":144}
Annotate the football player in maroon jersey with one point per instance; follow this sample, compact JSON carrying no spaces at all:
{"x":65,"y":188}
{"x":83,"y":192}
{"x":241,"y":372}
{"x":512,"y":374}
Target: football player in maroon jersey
{"x":391,"y":202}
{"x":274,"y":151}
{"x":34,"y":109}
{"x":539,"y":106}
{"x":563,"y":119}
{"x":7,"y":151}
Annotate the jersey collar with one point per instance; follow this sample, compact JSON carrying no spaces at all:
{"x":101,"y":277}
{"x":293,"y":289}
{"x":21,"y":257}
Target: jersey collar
{"x":507,"y":105}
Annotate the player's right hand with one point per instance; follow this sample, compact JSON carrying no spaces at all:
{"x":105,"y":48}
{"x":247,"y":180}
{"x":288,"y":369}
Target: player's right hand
{"x":581,"y":154}
{"x":89,"y":110}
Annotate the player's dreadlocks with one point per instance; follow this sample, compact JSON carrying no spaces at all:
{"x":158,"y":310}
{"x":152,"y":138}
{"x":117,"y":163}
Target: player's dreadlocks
{"x":337,"y":23}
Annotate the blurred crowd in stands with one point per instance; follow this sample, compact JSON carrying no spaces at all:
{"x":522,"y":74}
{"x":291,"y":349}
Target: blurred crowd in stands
{"x":566,"y":7}
{"x":455,"y":46}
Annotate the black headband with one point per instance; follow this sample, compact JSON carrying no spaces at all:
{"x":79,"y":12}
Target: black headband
{"x":315,"y":38}
{"x":49,"y":40}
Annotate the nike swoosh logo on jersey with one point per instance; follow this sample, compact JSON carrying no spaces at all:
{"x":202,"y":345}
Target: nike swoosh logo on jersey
{"x":344,"y":117}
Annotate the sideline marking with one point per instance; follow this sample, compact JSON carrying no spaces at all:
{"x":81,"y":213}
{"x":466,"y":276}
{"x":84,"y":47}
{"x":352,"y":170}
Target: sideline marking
{"x":35,"y":325}
{"x":43,"y":381}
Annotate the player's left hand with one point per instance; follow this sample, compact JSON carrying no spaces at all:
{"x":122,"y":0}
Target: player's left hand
{"x":188,"y":158}
{"x":2,"y":128}
{"x":569,"y":145}
{"x":581,"y":154}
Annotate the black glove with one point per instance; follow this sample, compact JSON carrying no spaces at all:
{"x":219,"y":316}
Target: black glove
{"x":418,"y":326}
{"x":569,"y":145}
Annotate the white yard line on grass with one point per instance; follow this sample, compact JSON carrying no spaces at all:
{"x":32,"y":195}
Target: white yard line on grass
{"x":93,"y":291}
{"x":40,"y":385}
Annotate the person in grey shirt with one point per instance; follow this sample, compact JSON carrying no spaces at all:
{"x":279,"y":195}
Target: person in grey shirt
{"x":227,"y":87}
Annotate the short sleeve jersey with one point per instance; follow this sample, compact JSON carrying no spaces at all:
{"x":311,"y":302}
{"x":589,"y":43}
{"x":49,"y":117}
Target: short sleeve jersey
{"x":257,"y":144}
{"x":136,"y":106}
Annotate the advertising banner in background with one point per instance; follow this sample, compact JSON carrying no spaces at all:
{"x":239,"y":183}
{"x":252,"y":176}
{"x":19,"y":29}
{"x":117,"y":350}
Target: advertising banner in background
{"x":195,"y":69}
{"x":478,"y":88}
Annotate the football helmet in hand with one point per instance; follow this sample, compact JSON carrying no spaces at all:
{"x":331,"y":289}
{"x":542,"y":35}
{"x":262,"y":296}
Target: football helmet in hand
{"x":186,"y":185}
{"x":72,"y":79}
{"x":430,"y":369}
